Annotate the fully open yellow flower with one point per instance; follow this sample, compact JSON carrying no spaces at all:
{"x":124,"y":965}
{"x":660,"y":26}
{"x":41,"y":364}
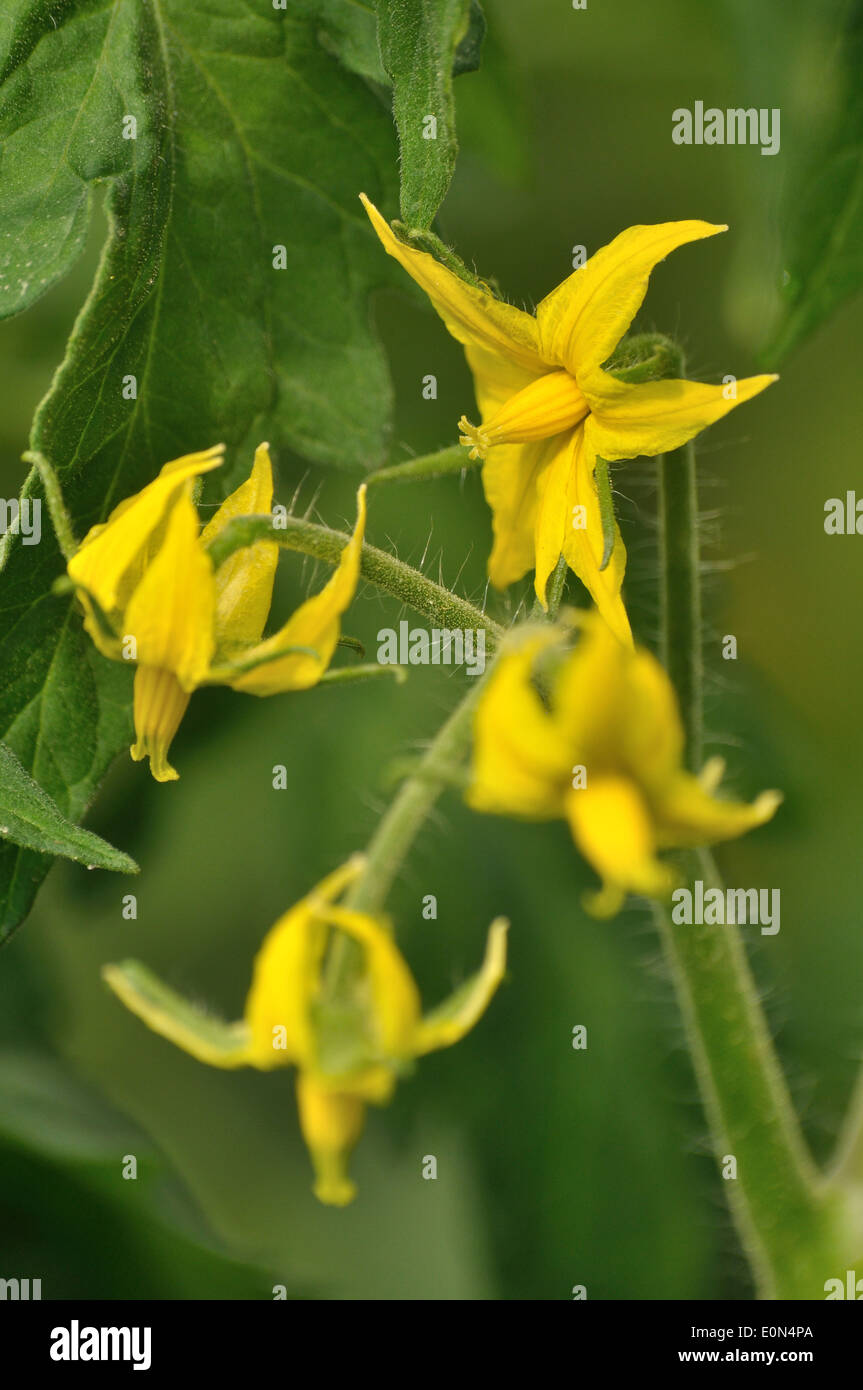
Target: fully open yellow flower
{"x":549,"y":410}
{"x":348,"y":1045}
{"x":151,"y":596}
{"x":595,"y":737}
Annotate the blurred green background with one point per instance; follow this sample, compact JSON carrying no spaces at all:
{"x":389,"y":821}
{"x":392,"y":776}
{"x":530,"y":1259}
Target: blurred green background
{"x":555,"y":1167}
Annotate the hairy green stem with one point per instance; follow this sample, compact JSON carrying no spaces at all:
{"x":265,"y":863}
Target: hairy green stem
{"x":454,"y":459}
{"x":410,"y":808}
{"x":847,"y":1167}
{"x":402,"y":822}
{"x":680,"y":592}
{"x":789,"y":1221}
{"x":56,"y":506}
{"x":392,"y":576}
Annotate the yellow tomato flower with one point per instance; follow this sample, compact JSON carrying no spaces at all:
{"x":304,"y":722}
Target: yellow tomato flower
{"x":549,"y":410}
{"x":151,"y":596}
{"x":595,"y":737}
{"x":348,"y":1047}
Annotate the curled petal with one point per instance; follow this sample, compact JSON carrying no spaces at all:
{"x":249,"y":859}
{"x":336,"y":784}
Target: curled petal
{"x":286,"y":977}
{"x":315,"y":626}
{"x":173,"y":1017}
{"x":687,"y":815}
{"x":395,"y":1002}
{"x":455,"y":1017}
{"x":244,"y":583}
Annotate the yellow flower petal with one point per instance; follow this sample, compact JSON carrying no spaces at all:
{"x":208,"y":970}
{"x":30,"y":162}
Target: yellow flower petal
{"x":651,"y":736}
{"x":112,"y":556}
{"x":244,"y":583}
{"x":610,"y":824}
{"x":509,"y":477}
{"x":171,"y":613}
{"x":686,"y":815}
{"x":569,"y":523}
{"x":590,"y":695}
{"x":395,"y":1004}
{"x":286,"y":977}
{"x":316,"y":624}
{"x":455,"y":1017}
{"x":472,"y":316}
{"x":331,"y":1123}
{"x":582,"y":321}
{"x":160,"y":703}
{"x":175,"y":1018}
{"x":659,"y":415}
{"x":521,"y":763}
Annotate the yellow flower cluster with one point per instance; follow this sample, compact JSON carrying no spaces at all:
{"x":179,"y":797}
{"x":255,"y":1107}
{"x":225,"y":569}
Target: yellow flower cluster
{"x":589,"y":732}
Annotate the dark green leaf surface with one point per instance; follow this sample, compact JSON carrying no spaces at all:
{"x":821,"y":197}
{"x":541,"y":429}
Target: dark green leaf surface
{"x":249,"y":136}
{"x":30,"y":818}
{"x":349,"y":29}
{"x":422,"y":43}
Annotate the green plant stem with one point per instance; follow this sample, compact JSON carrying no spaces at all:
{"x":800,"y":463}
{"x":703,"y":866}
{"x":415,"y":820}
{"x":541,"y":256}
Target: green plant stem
{"x":454,"y":459}
{"x":847,"y":1167}
{"x":680,"y":592}
{"x":789,"y":1221}
{"x":392,"y":576}
{"x":56,"y":506}
{"x":402,"y":822}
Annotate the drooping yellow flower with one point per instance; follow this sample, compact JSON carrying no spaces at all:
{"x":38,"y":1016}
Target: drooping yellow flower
{"x":151,"y":596}
{"x":349,"y":1044}
{"x":595,"y":737}
{"x":549,"y":410}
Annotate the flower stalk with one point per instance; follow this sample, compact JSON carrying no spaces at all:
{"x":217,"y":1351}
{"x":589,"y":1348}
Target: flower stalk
{"x":392,"y":576}
{"x":400,"y":824}
{"x":680,"y":592}
{"x":793,"y":1225}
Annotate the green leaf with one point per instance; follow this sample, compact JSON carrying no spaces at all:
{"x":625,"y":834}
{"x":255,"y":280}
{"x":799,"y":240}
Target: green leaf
{"x":30,"y":818}
{"x":424,"y":44}
{"x":249,"y":135}
{"x":824,"y":246}
{"x":349,"y":29}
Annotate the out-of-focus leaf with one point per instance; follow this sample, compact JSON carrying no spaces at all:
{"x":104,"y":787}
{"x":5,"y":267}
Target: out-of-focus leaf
{"x":824,"y":244}
{"x":231,"y":143}
{"x":423,"y":44}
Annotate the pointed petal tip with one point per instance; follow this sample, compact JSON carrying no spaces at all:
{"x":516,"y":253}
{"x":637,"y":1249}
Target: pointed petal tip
{"x":767,"y":804}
